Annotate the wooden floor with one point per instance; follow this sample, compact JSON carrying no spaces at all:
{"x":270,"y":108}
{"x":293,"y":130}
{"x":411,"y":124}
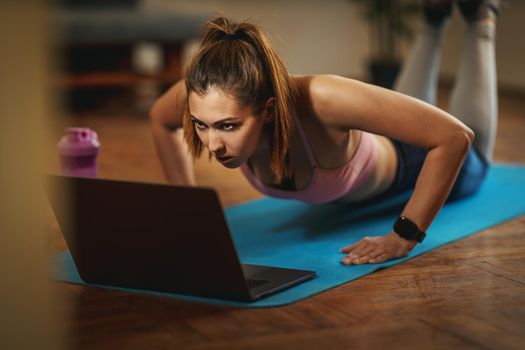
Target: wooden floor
{"x":467,"y":295}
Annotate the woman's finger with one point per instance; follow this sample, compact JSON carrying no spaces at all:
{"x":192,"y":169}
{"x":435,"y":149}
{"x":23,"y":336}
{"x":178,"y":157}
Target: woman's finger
{"x":349,"y":247}
{"x":377,"y":252}
{"x":353,"y":246}
{"x":379,"y":259}
{"x":362,"y":256}
{"x":362,"y":251}
{"x":361,"y":260}
{"x":358,"y":255}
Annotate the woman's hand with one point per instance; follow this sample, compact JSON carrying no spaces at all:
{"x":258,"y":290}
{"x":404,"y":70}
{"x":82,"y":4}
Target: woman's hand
{"x":376,"y":250}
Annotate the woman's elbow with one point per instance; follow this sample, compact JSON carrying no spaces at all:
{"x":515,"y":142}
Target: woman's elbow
{"x":154,"y":114}
{"x":462,"y":139}
{"x":471,"y":135}
{"x":158,"y":119}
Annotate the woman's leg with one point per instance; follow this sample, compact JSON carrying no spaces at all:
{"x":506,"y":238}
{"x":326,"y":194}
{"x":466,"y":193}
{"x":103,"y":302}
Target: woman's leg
{"x":418,"y":77}
{"x":474,"y":99}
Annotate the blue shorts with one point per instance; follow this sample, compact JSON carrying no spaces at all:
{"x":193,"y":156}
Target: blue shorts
{"x":410,"y":161}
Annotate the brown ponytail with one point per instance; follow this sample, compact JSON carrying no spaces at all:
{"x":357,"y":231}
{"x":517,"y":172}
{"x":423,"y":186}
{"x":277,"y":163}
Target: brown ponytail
{"x":238,"y":59}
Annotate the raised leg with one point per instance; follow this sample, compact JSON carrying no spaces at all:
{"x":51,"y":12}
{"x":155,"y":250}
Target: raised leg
{"x":474,"y":99}
{"x":418,"y":78}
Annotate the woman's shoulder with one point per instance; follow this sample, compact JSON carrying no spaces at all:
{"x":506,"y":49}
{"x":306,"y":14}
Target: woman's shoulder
{"x":318,"y":94}
{"x":317,"y":85}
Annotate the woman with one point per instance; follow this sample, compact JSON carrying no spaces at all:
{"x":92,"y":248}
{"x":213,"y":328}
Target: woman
{"x":326,"y":138}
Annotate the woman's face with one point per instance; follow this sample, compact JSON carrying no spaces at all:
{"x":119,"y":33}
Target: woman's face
{"x":230,"y":132}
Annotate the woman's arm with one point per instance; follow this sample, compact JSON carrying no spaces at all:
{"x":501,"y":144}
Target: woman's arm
{"x":166,"y":125}
{"x":349,"y":104}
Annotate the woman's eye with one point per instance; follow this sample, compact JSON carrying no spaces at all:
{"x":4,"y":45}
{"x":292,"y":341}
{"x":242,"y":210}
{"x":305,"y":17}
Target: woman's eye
{"x":228,"y":126}
{"x":199,"y":125}
{"x":225,"y":126}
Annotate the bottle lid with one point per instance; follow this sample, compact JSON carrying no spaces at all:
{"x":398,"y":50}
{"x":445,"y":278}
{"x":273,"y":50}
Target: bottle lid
{"x":78,"y":142}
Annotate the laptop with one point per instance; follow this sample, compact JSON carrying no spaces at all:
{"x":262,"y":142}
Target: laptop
{"x":158,"y":237}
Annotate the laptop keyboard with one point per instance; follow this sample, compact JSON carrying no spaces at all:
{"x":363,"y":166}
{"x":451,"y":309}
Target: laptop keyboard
{"x":252,"y":283}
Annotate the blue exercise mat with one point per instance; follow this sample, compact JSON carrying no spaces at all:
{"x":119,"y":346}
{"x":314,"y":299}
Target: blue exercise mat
{"x":292,"y":234}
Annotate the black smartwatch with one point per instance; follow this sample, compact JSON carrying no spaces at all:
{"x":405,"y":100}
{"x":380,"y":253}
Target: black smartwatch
{"x":408,"y":230}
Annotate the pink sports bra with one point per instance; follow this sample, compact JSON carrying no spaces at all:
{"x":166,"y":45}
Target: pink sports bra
{"x":326,"y":185}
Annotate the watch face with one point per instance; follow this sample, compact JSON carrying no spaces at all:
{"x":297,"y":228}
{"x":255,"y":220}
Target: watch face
{"x":406,"y":228}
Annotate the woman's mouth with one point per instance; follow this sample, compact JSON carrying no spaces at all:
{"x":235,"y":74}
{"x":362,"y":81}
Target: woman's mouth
{"x":224,"y":160}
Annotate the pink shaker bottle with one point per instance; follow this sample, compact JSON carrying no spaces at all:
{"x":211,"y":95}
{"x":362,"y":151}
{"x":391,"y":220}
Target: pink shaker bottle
{"x":78,"y":150}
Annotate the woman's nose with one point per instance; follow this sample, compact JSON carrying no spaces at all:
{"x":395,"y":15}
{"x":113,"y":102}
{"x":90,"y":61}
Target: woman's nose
{"x":215,"y":142}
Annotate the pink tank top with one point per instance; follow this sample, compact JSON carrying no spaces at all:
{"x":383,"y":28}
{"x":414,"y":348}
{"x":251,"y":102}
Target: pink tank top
{"x":326,"y":185}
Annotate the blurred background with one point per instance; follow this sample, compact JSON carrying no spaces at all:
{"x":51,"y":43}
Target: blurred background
{"x":111,"y":39}
{"x":101,"y":64}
